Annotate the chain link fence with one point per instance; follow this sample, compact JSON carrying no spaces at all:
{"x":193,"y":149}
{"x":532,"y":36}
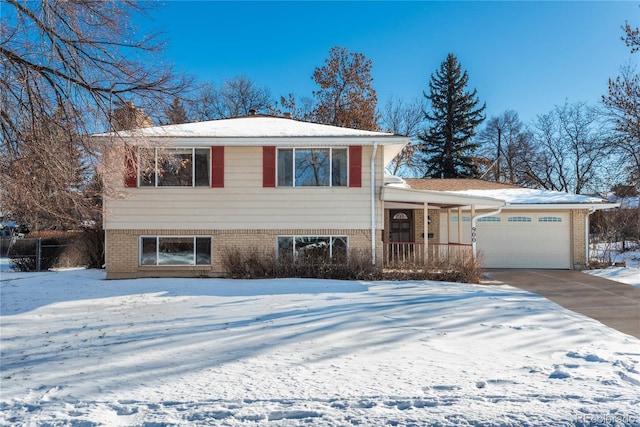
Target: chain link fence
{"x":30,"y":254}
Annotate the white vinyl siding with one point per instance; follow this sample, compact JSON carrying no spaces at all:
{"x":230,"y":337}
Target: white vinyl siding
{"x":244,"y":204}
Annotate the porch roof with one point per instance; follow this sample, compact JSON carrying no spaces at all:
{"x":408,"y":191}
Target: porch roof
{"x":441,"y":199}
{"x":486,"y":194}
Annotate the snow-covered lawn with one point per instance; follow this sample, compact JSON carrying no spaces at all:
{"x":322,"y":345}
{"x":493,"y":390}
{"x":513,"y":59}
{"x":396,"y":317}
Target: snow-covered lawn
{"x":629,"y":274}
{"x":79,"y":350}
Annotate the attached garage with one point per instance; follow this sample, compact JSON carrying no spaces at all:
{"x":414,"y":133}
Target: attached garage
{"x":512,"y":227}
{"x":520,"y":239}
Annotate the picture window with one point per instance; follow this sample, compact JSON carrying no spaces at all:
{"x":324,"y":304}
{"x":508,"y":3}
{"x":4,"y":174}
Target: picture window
{"x":175,"y":167}
{"x":175,"y":250}
{"x":312,"y":167}
{"x":312,"y":248}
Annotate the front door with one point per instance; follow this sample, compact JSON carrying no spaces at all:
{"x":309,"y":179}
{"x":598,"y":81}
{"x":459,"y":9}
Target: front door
{"x":401,"y":226}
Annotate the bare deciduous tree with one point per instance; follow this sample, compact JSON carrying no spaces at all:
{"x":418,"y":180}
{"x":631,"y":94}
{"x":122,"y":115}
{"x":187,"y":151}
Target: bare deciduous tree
{"x":346,"y":96}
{"x":631,"y":37}
{"x":64,"y":65}
{"x":623,"y":106}
{"x":572,"y":147}
{"x":302,"y":108}
{"x":403,"y":118}
{"x":234,"y":98}
{"x":506,"y":143}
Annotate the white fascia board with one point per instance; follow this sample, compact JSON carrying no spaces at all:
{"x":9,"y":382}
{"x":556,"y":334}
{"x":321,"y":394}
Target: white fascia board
{"x":406,"y":195}
{"x":560,"y":206}
{"x":392,"y":144}
{"x":318,"y":141}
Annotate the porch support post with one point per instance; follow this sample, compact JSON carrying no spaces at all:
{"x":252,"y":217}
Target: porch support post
{"x":425,"y":221}
{"x":459,"y":224}
{"x":448,"y":230}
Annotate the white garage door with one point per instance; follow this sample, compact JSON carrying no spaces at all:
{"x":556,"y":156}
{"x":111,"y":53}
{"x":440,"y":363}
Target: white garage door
{"x":522,"y":240}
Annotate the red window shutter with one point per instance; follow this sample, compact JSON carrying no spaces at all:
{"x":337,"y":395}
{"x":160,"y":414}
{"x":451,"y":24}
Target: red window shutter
{"x":217,"y":167}
{"x":131,"y":167}
{"x":269,"y":166}
{"x":355,"y":166}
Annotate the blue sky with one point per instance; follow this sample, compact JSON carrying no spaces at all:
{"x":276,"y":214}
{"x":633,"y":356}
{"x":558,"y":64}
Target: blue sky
{"x":525,"y":56}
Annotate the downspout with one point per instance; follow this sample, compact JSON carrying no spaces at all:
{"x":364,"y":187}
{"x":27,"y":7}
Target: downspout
{"x":474,"y":248}
{"x":373,"y":203}
{"x":586,"y":237}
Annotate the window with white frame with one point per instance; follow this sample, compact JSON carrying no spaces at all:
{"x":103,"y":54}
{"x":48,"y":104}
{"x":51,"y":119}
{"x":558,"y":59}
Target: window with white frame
{"x":312,"y":167}
{"x":175,"y":167}
{"x":175,"y":250}
{"x":489,"y":219}
{"x":519,"y":219}
{"x":312,"y":248}
{"x":550,"y":219}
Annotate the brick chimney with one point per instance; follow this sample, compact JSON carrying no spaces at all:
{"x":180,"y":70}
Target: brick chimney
{"x":129,"y":117}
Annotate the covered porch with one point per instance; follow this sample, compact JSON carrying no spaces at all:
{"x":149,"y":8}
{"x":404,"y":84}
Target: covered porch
{"x":422,"y":226}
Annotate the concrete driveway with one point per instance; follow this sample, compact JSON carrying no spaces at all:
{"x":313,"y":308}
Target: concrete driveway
{"x":614,"y":304}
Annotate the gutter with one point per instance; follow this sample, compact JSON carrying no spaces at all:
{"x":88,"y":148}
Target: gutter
{"x":373,"y":204}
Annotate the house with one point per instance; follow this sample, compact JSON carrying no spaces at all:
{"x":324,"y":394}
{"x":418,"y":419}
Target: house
{"x":190,"y":192}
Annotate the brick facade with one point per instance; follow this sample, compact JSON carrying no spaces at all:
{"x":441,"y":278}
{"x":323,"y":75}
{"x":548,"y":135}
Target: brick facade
{"x":578,"y":238}
{"x":122,"y":248}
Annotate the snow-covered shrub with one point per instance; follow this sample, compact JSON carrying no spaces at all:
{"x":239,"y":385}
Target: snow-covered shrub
{"x":255,"y":264}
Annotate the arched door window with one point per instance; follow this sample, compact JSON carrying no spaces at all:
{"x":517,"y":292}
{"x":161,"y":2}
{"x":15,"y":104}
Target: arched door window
{"x":401,"y":226}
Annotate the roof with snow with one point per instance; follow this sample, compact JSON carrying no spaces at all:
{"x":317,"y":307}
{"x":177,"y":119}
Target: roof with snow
{"x":454,"y":184}
{"x":531,"y":196}
{"x":631,"y":202}
{"x":511,"y":194}
{"x":254,"y":126}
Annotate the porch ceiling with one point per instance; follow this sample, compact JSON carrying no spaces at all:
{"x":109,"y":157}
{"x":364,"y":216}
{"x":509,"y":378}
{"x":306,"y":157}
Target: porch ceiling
{"x":441,"y":199}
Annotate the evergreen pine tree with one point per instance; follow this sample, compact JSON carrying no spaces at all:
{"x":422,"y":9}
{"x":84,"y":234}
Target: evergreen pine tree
{"x":176,"y":113}
{"x":448,"y":149}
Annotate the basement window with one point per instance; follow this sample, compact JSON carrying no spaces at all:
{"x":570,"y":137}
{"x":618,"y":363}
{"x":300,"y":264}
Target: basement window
{"x":175,"y":250}
{"x":312,"y":248}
